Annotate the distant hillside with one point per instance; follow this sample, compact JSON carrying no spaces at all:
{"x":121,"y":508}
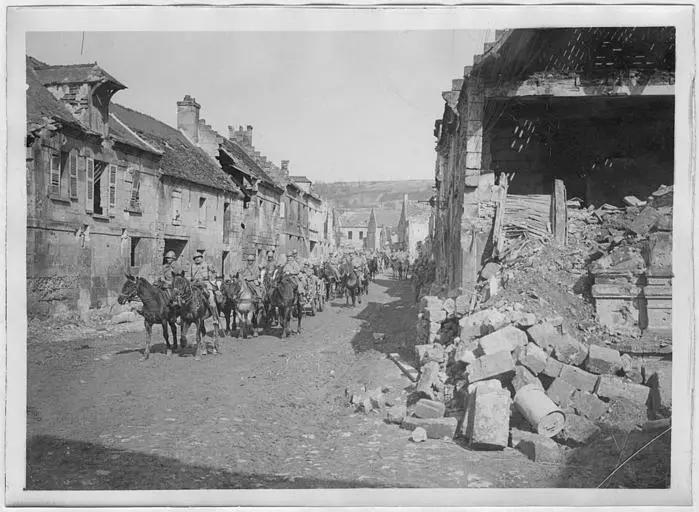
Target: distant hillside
{"x":374,"y":194}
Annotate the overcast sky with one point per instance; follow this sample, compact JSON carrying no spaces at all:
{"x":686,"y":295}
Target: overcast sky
{"x":341,"y":106}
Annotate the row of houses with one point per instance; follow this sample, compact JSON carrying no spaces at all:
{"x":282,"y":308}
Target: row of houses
{"x":589,"y":108}
{"x":110,"y":190}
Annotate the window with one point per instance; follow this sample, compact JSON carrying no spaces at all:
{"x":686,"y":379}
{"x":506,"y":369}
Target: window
{"x":176,"y":199}
{"x":361,"y":235}
{"x":134,"y":255}
{"x":89,"y":183}
{"x":202,"y":211}
{"x":135,"y":200}
{"x":349,"y":235}
{"x":55,"y":174}
{"x":112,"y":186}
{"x":99,"y":169}
{"x":73,"y":174}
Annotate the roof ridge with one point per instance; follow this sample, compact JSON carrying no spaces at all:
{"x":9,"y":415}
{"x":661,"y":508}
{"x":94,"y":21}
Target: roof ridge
{"x":138,"y":137}
{"x":47,"y":66}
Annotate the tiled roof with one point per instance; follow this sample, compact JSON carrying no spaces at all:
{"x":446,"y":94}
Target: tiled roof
{"x":300,"y":179}
{"x":181,"y":159}
{"x":42,"y":104}
{"x":246,"y":163}
{"x":73,"y":73}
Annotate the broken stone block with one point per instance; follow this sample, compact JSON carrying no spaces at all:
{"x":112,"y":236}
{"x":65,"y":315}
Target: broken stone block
{"x":523,"y":377}
{"x":419,"y":435}
{"x":533,"y":357}
{"x":491,"y":384}
{"x":540,"y":449}
{"x":425,"y":408}
{"x":578,"y":378}
{"x":569,"y":350}
{"x":612,"y":387}
{"x":553,"y":367}
{"x":490,"y":419}
{"x":429,"y":352}
{"x":430,"y":302}
{"x":481,"y":323}
{"x":626,"y":363}
{"x":435,"y":327}
{"x":464,"y":353}
{"x":436,"y":428}
{"x":543,"y":335}
{"x":526,"y":320}
{"x":577,"y":430}
{"x":396,"y":414}
{"x":435,"y":315}
{"x":508,"y":338}
{"x":588,"y":405}
{"x":660,"y":384}
{"x":603,"y":360}
{"x":561,"y":393}
{"x":489,"y":366}
{"x":462,"y":303}
{"x":483,"y":386}
{"x":489,"y":270}
{"x":429,"y":380}
{"x":365,"y":405}
{"x":449,"y":307}
{"x":378,"y":400}
{"x":644,"y":220}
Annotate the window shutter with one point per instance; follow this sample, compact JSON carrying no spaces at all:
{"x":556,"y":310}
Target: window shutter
{"x":89,"y":183}
{"x":55,"y":174}
{"x":135,"y":187}
{"x":112,"y":186}
{"x":73,"y":169}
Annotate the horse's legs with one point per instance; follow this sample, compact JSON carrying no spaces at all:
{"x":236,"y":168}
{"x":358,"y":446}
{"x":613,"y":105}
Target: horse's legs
{"x":198,"y":325}
{"x":149,"y":329}
{"x":216,"y":334}
{"x":183,"y":332}
{"x":166,"y":336}
{"x":173,"y":327}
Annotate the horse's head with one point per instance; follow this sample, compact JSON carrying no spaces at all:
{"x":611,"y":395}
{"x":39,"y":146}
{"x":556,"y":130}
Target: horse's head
{"x":181,"y":290}
{"x":130,"y":289}
{"x":230,"y":288}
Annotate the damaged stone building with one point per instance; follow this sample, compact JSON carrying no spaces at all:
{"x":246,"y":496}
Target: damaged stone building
{"x":112,"y":190}
{"x":590,"y":107}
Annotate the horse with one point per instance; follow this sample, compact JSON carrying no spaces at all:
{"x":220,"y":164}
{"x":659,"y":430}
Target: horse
{"x":225,"y":300}
{"x":373,"y":268}
{"x":330,"y":276}
{"x":284,"y":296}
{"x":157,"y":309}
{"x":249,"y":312}
{"x":352,"y":285}
{"x":364,"y":282}
{"x":193,"y":308}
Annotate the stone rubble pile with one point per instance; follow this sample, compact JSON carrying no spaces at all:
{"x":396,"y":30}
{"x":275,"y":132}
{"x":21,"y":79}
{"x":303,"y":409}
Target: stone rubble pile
{"x":508,"y":378}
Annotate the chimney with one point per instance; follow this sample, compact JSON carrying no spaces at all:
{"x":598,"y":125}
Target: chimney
{"x":285,"y":168}
{"x":248,"y":135}
{"x":188,"y":117}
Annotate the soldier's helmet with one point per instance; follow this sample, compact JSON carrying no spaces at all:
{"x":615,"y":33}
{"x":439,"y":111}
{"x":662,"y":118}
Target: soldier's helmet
{"x":250,"y":257}
{"x":171,"y":254}
{"x":197,"y":255}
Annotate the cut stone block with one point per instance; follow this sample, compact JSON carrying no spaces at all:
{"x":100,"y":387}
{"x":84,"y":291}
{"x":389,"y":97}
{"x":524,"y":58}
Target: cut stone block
{"x":577,"y":430}
{"x":533,"y":357}
{"x":490,"y":419}
{"x":427,"y":353}
{"x":603,"y":360}
{"x":524,"y":377}
{"x":541,"y":449}
{"x":464,"y":352}
{"x":553,"y":367}
{"x":430,"y":302}
{"x":612,"y":387}
{"x":396,"y":414}
{"x":561,"y":393}
{"x":462,"y":304}
{"x":436,"y":428}
{"x":449,"y":307}
{"x":588,"y":405}
{"x":489,"y":366}
{"x":425,"y":408}
{"x":660,"y":384}
{"x":429,"y":380}
{"x":481,"y":323}
{"x":508,"y":338}
{"x":579,"y":379}
{"x":564,"y":346}
{"x":435,"y":315}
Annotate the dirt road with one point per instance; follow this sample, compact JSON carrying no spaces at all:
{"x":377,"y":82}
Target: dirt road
{"x":267,"y":413}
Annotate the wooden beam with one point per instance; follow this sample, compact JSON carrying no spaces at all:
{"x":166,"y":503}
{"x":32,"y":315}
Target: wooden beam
{"x":559,"y":213}
{"x":572,"y":87}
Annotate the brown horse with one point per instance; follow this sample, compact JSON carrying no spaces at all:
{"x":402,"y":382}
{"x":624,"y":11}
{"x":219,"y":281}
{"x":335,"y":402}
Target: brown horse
{"x":284,"y":297}
{"x":246,"y":308}
{"x":193,"y":308}
{"x":157,"y":309}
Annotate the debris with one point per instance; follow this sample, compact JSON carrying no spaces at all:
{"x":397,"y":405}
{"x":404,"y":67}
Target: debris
{"x":577,"y":378}
{"x":425,"y":408}
{"x":507,"y":339}
{"x":396,"y":414}
{"x":418,"y":435}
{"x":611,"y":387}
{"x":429,"y":376}
{"x":634,"y":201}
{"x":488,"y":366}
{"x":533,"y":357}
{"x":561,"y":393}
{"x":588,"y":405}
{"x":490,"y":421}
{"x":538,"y":409}
{"x":603,"y":360}
{"x":436,"y":428}
{"x":540,"y":448}
{"x":408,"y":370}
{"x":577,"y":430}
{"x":553,"y":367}
{"x":524,"y":377}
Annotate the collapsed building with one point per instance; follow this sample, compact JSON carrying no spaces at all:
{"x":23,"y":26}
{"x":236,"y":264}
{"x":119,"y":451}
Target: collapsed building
{"x":547,"y":119}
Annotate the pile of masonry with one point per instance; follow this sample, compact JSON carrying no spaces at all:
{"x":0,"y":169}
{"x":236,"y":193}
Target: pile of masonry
{"x":508,"y":379}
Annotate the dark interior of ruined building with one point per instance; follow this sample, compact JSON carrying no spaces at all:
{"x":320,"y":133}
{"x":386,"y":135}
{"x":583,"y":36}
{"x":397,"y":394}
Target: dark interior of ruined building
{"x":603,"y":148}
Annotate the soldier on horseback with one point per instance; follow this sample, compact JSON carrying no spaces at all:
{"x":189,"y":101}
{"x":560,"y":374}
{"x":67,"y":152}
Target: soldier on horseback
{"x":252,"y":277}
{"x":270,"y":267}
{"x":293,"y":270}
{"x":170,"y":269}
{"x":204,"y":274}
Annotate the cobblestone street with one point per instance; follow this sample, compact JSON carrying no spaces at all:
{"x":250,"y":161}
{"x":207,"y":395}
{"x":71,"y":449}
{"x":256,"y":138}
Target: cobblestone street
{"x":267,"y":413}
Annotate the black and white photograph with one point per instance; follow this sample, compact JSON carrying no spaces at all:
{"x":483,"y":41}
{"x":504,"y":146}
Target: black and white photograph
{"x":295,"y":249}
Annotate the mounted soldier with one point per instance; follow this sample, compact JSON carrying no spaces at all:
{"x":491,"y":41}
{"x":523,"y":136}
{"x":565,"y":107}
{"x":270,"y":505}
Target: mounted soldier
{"x":269,"y":268}
{"x":293,"y":270}
{"x":204,"y":274}
{"x":171,"y":268}
{"x":252,"y":277}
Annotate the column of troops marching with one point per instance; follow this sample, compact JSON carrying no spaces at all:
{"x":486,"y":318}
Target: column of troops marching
{"x":255,"y":297}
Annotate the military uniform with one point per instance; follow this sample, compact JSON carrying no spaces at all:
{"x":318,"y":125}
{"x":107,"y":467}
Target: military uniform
{"x":203,"y":273}
{"x":292,"y":268}
{"x":251,"y":275}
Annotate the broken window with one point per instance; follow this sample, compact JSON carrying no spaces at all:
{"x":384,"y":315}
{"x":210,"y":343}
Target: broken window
{"x":176,"y":206}
{"x":202,"y":211}
{"x":135,"y":200}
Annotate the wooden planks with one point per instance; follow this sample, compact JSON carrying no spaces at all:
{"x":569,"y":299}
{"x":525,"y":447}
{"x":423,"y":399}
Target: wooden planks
{"x":559,"y":213}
